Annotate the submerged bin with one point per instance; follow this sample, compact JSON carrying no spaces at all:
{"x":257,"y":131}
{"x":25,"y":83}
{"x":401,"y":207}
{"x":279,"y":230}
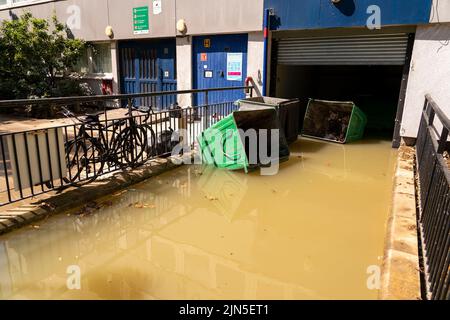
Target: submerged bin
{"x":335,"y":121}
{"x":289,"y":113}
{"x":226,"y":146}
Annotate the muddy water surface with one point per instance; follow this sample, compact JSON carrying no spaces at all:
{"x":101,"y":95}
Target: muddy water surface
{"x":310,"y":232}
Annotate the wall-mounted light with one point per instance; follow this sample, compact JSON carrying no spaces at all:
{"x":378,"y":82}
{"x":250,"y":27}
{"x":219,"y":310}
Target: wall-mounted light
{"x":109,"y":32}
{"x":181,"y":26}
{"x":335,"y":1}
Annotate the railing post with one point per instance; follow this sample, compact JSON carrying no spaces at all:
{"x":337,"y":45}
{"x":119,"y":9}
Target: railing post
{"x":443,"y":141}
{"x":206,"y":120}
{"x":431,"y":117}
{"x":130,"y":106}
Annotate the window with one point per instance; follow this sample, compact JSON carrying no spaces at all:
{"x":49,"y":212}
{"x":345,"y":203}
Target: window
{"x":101,"y":58}
{"x":96,"y":61}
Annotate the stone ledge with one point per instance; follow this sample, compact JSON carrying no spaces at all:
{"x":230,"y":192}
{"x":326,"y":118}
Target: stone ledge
{"x":73,"y":197}
{"x":402,"y":281}
{"x":400,"y":278}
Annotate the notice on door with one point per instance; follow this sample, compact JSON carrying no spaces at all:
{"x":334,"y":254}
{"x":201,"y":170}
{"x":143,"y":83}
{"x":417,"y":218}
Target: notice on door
{"x":140,"y":20}
{"x":234,"y":66}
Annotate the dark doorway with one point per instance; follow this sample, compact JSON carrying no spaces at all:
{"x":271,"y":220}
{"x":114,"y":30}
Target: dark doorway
{"x":374,"y":89}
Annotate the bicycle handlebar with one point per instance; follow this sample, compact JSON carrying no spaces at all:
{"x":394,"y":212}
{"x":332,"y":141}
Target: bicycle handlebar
{"x":69,"y":114}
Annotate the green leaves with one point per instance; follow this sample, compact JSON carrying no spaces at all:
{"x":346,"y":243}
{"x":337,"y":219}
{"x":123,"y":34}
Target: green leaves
{"x":33,"y":53}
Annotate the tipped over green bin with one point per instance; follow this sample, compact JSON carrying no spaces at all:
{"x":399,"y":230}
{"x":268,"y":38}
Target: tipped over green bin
{"x":226,"y":145}
{"x":334,"y":121}
{"x":231,"y":153}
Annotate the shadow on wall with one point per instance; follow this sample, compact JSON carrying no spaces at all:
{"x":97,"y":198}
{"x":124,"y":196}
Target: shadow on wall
{"x":434,"y":33}
{"x":346,"y":7}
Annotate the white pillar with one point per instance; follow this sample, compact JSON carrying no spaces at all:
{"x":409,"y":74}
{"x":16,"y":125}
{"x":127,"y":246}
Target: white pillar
{"x":115,"y":66}
{"x":255,"y":59}
{"x":184,"y":69}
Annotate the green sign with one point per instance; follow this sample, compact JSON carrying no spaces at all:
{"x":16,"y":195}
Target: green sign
{"x":140,"y":20}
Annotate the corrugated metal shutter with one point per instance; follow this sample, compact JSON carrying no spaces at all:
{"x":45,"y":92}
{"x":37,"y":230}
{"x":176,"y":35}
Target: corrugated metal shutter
{"x":384,"y":49}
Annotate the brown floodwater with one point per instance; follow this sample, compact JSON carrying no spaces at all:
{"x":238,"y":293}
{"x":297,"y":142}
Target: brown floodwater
{"x":310,"y":232}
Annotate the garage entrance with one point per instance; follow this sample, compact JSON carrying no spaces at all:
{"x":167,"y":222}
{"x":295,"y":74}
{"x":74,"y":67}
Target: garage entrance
{"x":369,"y":69}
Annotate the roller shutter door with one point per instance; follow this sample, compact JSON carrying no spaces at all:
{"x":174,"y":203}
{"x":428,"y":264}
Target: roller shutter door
{"x":384,"y":49}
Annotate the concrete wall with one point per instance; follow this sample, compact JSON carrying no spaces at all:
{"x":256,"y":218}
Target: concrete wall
{"x":201,"y":16}
{"x":92,"y":15}
{"x":440,"y":11}
{"x":219,"y":16}
{"x":430,"y":73}
{"x":95,"y":16}
{"x":88,"y":18}
{"x":121,"y":19}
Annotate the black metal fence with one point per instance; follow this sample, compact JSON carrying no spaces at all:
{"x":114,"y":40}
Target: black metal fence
{"x":84,"y":148}
{"x":434,"y":183}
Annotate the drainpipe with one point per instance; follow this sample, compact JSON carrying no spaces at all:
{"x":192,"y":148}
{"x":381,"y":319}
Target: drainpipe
{"x":267,"y":14}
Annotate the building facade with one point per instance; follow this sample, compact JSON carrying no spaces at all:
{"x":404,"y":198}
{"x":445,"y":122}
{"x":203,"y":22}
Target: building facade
{"x":137,"y":46}
{"x":384,"y":55}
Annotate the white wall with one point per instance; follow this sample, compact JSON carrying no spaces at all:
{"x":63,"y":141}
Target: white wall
{"x":255,"y":59}
{"x":430,"y":73}
{"x":440,"y":11}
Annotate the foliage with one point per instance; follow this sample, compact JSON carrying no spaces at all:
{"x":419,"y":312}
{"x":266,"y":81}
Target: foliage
{"x":33,"y":54}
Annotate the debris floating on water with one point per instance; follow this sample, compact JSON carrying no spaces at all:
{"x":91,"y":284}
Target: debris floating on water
{"x":139,"y":205}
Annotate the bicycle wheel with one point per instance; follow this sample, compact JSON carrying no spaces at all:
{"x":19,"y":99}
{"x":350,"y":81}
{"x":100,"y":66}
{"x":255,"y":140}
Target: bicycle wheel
{"x":84,"y":161}
{"x":130,"y":147}
{"x":151,"y":146}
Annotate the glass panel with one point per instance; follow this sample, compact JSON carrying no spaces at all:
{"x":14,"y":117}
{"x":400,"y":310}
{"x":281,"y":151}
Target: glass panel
{"x":101,"y":58}
{"x":83,"y":64}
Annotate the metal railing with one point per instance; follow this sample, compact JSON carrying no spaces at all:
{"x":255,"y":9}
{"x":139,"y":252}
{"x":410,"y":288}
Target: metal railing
{"x":434,"y":184}
{"x":83,"y":148}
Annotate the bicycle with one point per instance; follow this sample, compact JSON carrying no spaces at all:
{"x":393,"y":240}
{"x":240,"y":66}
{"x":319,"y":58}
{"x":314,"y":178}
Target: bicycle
{"x":118,"y":144}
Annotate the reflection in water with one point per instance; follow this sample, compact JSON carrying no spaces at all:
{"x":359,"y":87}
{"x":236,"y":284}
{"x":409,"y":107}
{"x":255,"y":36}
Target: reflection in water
{"x":200,"y":233}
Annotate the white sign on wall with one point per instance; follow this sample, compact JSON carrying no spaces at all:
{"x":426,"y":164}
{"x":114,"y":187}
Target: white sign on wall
{"x":234,"y":66}
{"x":157,"y":6}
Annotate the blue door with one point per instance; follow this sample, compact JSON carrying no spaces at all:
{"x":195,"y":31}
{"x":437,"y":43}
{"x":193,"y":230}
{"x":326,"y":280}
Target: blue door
{"x":220,"y":61}
{"x":148,"y":66}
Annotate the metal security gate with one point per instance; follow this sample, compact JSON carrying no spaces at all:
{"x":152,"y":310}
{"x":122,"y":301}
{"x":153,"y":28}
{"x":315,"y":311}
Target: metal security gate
{"x":148,"y":66}
{"x":380,"y":49}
